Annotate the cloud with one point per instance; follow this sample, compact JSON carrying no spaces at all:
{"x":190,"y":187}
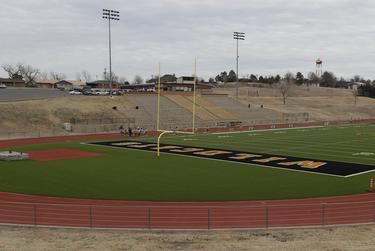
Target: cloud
{"x":69,"y":36}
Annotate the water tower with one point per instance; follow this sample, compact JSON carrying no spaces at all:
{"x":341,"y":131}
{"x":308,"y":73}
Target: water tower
{"x":319,"y":67}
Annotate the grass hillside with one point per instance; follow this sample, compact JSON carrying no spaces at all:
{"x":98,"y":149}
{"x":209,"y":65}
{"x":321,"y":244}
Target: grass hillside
{"x":320,"y":103}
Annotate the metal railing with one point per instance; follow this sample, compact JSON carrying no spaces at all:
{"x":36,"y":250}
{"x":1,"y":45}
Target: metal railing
{"x":16,"y":134}
{"x":210,"y":126}
{"x":188,"y":217}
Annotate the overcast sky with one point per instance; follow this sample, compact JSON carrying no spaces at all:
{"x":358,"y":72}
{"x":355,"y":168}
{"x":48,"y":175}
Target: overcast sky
{"x":70,"y":35}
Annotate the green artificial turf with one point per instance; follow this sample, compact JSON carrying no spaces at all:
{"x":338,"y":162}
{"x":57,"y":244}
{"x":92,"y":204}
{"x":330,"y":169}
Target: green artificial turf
{"x":135,"y":175}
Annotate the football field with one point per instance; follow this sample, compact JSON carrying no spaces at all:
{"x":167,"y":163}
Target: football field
{"x":139,"y":175}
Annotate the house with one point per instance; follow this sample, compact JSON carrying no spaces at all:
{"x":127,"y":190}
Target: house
{"x":185,"y":80}
{"x":186,"y":87}
{"x":103,"y":84}
{"x":46,"y":83}
{"x":167,"y":78}
{"x":70,"y":84}
{"x":355,"y":85}
{"x":148,"y":87}
{"x":12,"y":82}
{"x":167,"y":87}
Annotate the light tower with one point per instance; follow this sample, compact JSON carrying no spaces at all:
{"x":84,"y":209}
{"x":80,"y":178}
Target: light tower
{"x":110,"y":15}
{"x":319,"y":67}
{"x":238,"y":36}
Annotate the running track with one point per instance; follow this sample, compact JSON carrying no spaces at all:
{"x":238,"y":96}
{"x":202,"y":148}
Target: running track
{"x":49,"y":211}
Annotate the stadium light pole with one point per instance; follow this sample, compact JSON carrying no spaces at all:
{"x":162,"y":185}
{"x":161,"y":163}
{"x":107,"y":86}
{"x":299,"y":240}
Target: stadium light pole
{"x":238,"y":36}
{"x":110,"y":15}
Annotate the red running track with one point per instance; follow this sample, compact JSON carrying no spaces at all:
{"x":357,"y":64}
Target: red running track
{"x":49,"y":211}
{"x":34,"y":141}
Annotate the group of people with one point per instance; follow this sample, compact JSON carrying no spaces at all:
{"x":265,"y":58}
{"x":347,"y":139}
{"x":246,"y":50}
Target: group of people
{"x":138,"y":131}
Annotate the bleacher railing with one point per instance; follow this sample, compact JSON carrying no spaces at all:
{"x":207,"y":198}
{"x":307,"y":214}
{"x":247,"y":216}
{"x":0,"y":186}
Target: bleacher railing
{"x":201,"y":127}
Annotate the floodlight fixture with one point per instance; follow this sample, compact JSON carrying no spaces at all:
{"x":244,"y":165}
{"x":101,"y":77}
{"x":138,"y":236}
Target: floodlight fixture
{"x":110,"y":15}
{"x":238,"y":36}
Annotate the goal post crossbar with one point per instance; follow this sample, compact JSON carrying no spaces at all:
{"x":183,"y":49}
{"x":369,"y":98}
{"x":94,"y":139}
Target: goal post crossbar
{"x":162,"y":133}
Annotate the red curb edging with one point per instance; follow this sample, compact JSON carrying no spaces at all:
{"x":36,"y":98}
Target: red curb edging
{"x":33,"y":210}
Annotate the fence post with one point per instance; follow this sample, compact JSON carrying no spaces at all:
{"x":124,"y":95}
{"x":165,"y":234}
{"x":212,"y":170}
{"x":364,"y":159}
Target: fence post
{"x":323,"y":214}
{"x":267,"y":217}
{"x":34,"y":214}
{"x":90,"y":216}
{"x":209,"y":218}
{"x":149,"y":218}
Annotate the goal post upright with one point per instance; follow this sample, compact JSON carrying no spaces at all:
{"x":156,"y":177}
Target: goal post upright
{"x":163,"y":132}
{"x":158,"y":112}
{"x":194,"y":92}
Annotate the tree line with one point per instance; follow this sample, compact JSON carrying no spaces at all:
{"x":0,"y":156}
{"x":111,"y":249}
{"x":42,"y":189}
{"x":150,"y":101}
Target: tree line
{"x":366,"y":88}
{"x":328,"y":79}
{"x":32,"y":74}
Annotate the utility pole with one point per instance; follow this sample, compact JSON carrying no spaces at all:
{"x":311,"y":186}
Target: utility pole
{"x":238,"y":36}
{"x":110,"y":15}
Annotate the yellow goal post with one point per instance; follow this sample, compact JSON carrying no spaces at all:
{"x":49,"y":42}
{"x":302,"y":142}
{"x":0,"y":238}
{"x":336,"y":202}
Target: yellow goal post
{"x":163,"y":132}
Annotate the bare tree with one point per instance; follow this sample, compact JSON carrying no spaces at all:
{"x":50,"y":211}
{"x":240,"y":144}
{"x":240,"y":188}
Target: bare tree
{"x":83,"y":76}
{"x":11,"y":70}
{"x":57,"y":75}
{"x":137,"y":80}
{"x":286,"y":85}
{"x":28,"y":73}
{"x":43,"y":76}
{"x":107,"y":76}
{"x":312,"y":79}
{"x":86,"y":76}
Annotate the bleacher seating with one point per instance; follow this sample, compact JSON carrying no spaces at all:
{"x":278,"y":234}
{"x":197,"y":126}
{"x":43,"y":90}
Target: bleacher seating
{"x":211,"y":107}
{"x":242,"y":111}
{"x":187,"y":103}
{"x":172,"y":116}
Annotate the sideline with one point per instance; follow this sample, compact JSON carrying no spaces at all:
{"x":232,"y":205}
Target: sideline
{"x":274,"y":129}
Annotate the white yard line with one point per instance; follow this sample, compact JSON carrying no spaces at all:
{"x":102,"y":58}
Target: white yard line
{"x":278,"y":147}
{"x":267,"y":130}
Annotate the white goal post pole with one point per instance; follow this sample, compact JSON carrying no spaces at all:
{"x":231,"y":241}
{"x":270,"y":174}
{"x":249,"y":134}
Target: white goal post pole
{"x":158,"y":112}
{"x":194,"y":93}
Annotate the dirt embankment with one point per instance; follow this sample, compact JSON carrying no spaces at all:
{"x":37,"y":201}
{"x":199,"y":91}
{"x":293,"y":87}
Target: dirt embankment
{"x":52,"y":113}
{"x":320,"y":103}
{"x":332,"y":239}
